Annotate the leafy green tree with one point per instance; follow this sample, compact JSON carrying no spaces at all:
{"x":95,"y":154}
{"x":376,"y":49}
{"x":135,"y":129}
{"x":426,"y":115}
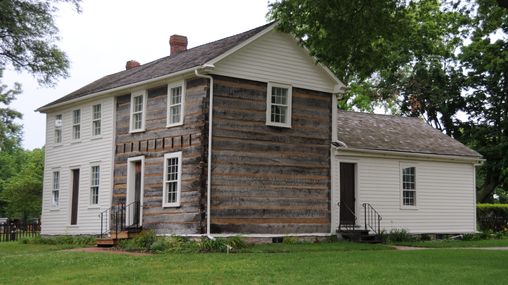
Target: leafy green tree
{"x":23,"y":191}
{"x":27,"y":38}
{"x":486,"y":62}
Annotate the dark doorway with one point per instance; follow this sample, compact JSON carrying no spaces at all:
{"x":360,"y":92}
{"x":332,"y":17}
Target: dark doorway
{"x":75,"y":197}
{"x":137,"y":192}
{"x":347,"y":193}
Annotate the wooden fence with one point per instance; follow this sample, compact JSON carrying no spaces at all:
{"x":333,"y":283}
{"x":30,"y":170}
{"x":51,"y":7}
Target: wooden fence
{"x":14,"y":231}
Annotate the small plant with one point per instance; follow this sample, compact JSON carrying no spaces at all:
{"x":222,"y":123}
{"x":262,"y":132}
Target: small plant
{"x":70,"y":240}
{"x":290,"y":240}
{"x":237,"y":242}
{"x":425,"y":237}
{"x":145,"y":239}
{"x":397,"y":235}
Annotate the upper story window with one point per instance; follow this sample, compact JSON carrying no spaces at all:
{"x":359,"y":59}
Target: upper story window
{"x":94,"y":185}
{"x":76,"y":124}
{"x":55,"y":192}
{"x":278,"y":105}
{"x":58,"y":128}
{"x":138,"y":107}
{"x":96,"y":119}
{"x":172,"y":179}
{"x":409,"y":186}
{"x":176,"y":96}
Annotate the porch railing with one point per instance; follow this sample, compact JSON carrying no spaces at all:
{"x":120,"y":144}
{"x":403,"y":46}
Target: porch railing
{"x":346,"y":225}
{"x":119,"y":218}
{"x":372,"y":218}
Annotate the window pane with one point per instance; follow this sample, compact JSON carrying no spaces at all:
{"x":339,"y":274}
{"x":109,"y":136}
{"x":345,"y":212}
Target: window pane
{"x":76,"y":132}
{"x":137,"y":120}
{"x":176,"y":95}
{"x":96,"y":112}
{"x":76,"y":116}
{"x":174,"y":112}
{"x":138,"y":104}
{"x":96,"y":128}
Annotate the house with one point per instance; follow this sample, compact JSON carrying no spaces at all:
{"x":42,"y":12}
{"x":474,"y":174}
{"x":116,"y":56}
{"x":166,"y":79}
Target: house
{"x":243,"y":136}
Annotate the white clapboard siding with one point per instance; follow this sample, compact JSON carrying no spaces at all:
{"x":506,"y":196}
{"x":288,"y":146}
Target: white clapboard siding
{"x":276,"y":57}
{"x":82,"y":154}
{"x":445,"y":194}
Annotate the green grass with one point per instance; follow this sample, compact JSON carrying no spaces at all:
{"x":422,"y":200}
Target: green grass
{"x":458,"y":243}
{"x":334,"y":263}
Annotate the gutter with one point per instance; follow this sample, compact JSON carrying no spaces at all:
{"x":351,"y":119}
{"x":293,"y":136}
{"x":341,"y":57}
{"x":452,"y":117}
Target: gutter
{"x":476,"y":160}
{"x":206,"y":68}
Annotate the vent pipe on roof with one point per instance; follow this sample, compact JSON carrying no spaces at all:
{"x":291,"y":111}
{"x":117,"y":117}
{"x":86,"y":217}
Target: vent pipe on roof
{"x":178,"y":44}
{"x":131,"y":64}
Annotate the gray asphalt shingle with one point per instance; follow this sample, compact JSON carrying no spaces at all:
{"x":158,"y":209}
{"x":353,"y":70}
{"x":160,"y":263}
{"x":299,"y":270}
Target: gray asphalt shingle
{"x":394,"y":133}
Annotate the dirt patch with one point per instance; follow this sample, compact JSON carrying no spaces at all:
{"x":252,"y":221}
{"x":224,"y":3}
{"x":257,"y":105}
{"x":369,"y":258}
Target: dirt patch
{"x":108,"y":250}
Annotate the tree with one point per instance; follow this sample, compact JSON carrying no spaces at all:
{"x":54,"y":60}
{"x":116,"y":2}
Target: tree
{"x":486,"y":62}
{"x":28,"y":35}
{"x":23,"y":191}
{"x":428,"y":58}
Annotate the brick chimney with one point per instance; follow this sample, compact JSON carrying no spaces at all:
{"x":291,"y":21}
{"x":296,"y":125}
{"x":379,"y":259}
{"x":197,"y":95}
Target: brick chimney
{"x":178,"y":44}
{"x":131,"y":64}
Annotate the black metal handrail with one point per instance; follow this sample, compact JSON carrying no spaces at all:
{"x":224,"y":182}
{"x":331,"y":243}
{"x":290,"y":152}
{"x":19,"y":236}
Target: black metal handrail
{"x":119,"y":218}
{"x":372,"y":218}
{"x":350,"y":211}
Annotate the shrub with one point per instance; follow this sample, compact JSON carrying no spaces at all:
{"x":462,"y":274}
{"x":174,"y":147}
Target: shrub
{"x":173,"y":244}
{"x":492,"y":217}
{"x":71,"y":240}
{"x":221,"y":244}
{"x":397,"y":235}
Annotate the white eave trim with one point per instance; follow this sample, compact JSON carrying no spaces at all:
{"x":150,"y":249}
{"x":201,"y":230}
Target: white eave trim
{"x":120,"y":88}
{"x":401,"y":154}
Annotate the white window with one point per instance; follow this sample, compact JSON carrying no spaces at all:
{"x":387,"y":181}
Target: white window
{"x":278,"y":105}
{"x":76,"y":124}
{"x":172,"y":179}
{"x":409,"y":186}
{"x":55,"y":192}
{"x":96,"y":120}
{"x":58,"y":128}
{"x":176,"y":98}
{"x":138,"y":106}
{"x":94,"y":185}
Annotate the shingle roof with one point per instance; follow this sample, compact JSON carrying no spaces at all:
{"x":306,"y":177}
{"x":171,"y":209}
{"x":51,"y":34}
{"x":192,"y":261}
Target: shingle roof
{"x":394,"y":133}
{"x":193,"y":57}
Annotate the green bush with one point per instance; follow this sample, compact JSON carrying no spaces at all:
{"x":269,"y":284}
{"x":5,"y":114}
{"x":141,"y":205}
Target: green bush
{"x":492,"y":217}
{"x":72,"y":240}
{"x":173,"y":244}
{"x":143,"y":241}
{"x":397,"y":235}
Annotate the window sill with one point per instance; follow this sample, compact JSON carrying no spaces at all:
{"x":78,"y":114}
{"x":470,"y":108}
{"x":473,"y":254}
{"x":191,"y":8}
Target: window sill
{"x":173,"y":205}
{"x":174,"y":125}
{"x":94,"y":138}
{"x":278,"y":125}
{"x":76,"y":142}
{"x":136,"y":131}
{"x":54,"y":209}
{"x":73,"y":227}
{"x":57,"y":145}
{"x":410,"y":208}
{"x":94,"y":207}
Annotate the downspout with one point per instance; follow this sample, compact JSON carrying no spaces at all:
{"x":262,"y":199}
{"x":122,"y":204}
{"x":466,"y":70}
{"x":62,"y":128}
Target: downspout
{"x":209,"y":170}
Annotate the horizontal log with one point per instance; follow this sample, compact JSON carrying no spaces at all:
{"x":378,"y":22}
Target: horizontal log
{"x":258,"y":221}
{"x":270,"y":228}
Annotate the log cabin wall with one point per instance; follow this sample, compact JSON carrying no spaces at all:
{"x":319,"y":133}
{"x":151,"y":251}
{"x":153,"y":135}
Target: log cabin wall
{"x":158,"y":140}
{"x":269,"y":180}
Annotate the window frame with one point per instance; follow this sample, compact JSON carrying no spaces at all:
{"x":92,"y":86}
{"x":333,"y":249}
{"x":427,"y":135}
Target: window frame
{"x":143,"y":94}
{"x":96,"y":120}
{"x":269,"y":104}
{"x":171,"y":86}
{"x":55,"y":188}
{"x":57,"y":136}
{"x":76,"y":124}
{"x":93,"y":186}
{"x":165,"y":181}
{"x":403,"y":189}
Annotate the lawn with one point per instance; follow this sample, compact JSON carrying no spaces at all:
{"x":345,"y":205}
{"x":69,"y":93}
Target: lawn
{"x":337,"y":263}
{"x":458,"y":243}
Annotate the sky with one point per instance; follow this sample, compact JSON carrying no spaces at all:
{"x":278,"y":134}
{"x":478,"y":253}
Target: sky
{"x":101,"y":39}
